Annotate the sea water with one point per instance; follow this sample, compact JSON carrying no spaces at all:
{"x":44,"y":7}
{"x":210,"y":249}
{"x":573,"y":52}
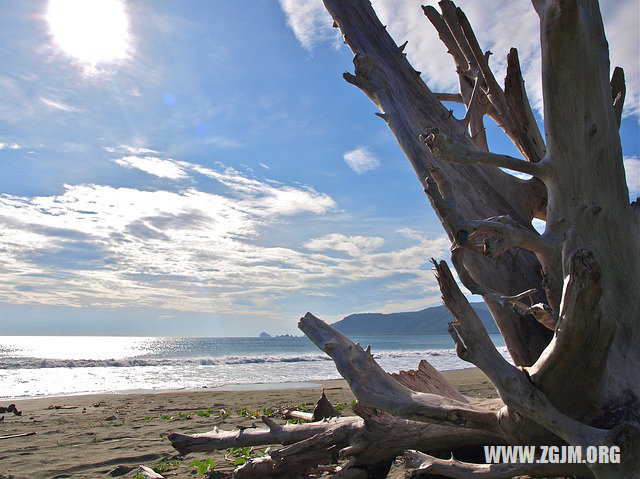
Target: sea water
{"x":36,"y":366}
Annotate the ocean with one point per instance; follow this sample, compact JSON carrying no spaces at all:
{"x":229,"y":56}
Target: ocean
{"x":37,"y":366}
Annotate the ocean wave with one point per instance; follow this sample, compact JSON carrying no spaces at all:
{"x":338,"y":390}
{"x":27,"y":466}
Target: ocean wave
{"x":43,"y":363}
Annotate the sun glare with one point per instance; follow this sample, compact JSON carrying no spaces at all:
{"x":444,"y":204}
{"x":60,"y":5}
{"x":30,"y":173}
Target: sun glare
{"x":92,"y":31}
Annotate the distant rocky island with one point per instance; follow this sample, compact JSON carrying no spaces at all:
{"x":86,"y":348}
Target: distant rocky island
{"x":264,"y":335}
{"x":432,"y":320}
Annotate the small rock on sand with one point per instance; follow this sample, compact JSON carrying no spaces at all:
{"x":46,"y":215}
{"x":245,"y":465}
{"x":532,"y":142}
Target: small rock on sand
{"x":121,"y":471}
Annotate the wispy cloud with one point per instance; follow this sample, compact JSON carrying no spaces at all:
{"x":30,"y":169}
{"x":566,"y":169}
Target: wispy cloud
{"x":361,"y":160}
{"x":133,"y":150}
{"x":9,"y":146}
{"x":310,"y":22}
{"x":192,"y":250}
{"x":57,"y":105}
{"x":163,"y":168}
{"x":97,"y":244}
{"x":352,"y":245}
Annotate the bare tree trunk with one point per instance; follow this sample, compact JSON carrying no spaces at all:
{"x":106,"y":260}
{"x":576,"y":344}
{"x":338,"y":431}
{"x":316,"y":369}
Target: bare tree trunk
{"x":575,"y":341}
{"x":409,"y":108}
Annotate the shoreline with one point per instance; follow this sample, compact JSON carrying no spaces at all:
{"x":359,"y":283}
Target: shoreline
{"x":257,"y":386}
{"x":225,"y":387}
{"x":89,"y":436}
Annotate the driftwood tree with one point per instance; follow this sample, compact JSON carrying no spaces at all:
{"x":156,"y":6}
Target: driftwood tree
{"x":565,"y":301}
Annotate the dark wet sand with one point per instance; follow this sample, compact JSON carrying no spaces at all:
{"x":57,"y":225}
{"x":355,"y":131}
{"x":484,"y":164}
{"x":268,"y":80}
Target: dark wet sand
{"x":86,"y":441}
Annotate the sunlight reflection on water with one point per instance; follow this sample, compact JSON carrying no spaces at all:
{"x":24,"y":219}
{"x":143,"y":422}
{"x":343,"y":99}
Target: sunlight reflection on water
{"x":57,"y":365}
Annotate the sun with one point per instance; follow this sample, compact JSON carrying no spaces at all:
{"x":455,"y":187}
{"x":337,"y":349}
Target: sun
{"x":92,"y":31}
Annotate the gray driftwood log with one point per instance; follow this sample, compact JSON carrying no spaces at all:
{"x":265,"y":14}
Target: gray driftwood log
{"x":566,"y":301}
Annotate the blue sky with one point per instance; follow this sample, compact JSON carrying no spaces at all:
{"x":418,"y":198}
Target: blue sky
{"x":216,"y":175}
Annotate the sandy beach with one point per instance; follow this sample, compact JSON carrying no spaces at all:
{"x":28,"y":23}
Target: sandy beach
{"x":110,"y":435}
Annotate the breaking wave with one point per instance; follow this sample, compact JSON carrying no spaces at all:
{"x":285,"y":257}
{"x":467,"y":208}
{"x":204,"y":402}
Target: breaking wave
{"x":43,"y":363}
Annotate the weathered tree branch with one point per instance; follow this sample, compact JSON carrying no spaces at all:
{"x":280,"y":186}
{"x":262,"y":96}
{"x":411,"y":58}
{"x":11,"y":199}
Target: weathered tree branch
{"x":582,"y":331}
{"x":502,"y":234}
{"x":293,"y":414}
{"x":535,"y":192}
{"x":275,"y":434}
{"x":427,"y":379}
{"x":493,"y":91}
{"x":454,"y":97}
{"x":579,"y":118}
{"x":514,"y":386}
{"x":472,"y":95}
{"x":524,"y":127}
{"x":509,"y":108}
{"x":371,"y":441}
{"x":292,"y":460}
{"x":445,"y":148}
{"x":375,"y":439}
{"x":466,"y":63}
{"x":373,"y":386}
{"x":506,"y":233}
{"x":543,"y":314}
{"x":457,"y":258}
{"x":149,"y":473}
{"x":426,"y":465}
{"x":473,"y":107}
{"x":447,"y":36}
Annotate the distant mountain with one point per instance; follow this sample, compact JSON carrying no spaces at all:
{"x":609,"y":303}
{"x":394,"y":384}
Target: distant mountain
{"x":432,"y":320}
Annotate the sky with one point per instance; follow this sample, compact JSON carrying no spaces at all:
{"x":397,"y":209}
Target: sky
{"x":201,"y":168}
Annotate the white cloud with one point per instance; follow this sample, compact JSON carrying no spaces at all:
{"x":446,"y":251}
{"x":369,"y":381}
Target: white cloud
{"x":632,"y":171}
{"x":361,"y":160}
{"x":57,"y":105}
{"x":352,"y":245}
{"x":421,"y":251}
{"x":268,"y":197}
{"x":494,"y":25}
{"x":188,"y":249}
{"x":192,"y":250}
{"x":133,"y":150}
{"x":310,"y":22}
{"x":9,"y":146}
{"x":163,"y":168}
{"x":287,"y":200}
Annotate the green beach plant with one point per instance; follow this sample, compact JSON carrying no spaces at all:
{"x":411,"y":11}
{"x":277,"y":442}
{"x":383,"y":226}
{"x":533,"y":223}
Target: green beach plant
{"x":204,"y":466}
